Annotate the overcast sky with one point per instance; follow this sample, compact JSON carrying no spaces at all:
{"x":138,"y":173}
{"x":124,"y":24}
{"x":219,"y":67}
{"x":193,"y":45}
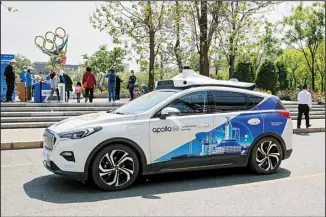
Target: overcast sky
{"x":19,"y":29}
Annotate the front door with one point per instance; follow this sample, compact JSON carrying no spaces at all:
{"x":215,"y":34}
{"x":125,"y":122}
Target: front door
{"x":185,"y":137}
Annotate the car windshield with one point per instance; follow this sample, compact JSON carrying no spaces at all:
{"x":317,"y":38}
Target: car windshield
{"x":145,"y":102}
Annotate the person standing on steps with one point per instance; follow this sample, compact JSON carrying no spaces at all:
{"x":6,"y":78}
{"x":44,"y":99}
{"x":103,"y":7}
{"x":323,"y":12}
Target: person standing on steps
{"x":111,"y":84}
{"x":118,"y":87}
{"x":54,"y":85}
{"x":131,"y":84}
{"x":22,"y":75}
{"x":305,"y":104}
{"x":10,"y":79}
{"x":89,"y":83}
{"x":29,"y":83}
{"x":68,"y":85}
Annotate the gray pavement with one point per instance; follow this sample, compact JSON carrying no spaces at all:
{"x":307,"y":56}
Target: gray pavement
{"x":298,"y":189}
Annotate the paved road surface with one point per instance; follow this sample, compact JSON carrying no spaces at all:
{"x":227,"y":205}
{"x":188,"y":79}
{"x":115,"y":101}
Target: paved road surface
{"x":298,"y":189}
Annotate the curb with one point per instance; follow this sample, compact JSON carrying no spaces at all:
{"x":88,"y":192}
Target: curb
{"x":39,"y":144}
{"x":21,"y":145}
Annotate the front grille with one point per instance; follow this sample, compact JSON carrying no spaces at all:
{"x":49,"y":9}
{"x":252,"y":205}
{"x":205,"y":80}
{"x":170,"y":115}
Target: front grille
{"x":53,"y":166}
{"x":49,"y":139}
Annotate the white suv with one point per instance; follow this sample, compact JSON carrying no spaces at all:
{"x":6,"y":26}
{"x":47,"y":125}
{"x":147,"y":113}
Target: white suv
{"x":188,"y":123}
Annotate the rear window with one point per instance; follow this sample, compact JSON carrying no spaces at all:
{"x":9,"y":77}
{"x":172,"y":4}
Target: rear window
{"x":279,"y":105}
{"x":254,"y":100}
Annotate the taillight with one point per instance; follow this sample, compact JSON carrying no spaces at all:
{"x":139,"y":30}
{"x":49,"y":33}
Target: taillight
{"x":284,"y":113}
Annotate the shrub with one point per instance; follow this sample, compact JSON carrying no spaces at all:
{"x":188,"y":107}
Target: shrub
{"x":245,"y":72}
{"x":267,"y":76}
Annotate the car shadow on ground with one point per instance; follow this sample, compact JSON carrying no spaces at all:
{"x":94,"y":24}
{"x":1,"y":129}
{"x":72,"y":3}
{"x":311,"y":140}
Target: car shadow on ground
{"x":56,"y":189}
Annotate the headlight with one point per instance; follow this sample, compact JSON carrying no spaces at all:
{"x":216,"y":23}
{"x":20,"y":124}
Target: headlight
{"x":78,"y":134}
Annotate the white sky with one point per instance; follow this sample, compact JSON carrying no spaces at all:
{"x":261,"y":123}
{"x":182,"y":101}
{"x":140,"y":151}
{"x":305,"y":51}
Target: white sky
{"x":19,"y":29}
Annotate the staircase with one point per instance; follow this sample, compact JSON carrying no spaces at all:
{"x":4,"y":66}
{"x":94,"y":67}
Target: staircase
{"x":32,"y":115}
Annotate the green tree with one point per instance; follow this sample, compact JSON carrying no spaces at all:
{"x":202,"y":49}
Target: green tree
{"x":305,"y":31}
{"x":245,"y":72}
{"x":320,"y":65}
{"x":138,"y":27}
{"x":282,"y":72}
{"x":103,"y":59}
{"x":22,"y":61}
{"x":9,"y":8}
{"x":239,"y":24}
{"x":267,"y":77}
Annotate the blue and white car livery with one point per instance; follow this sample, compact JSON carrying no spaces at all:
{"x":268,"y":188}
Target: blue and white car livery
{"x":190,"y":122}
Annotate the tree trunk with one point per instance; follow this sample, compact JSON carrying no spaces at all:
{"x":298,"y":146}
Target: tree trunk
{"x":313,"y":72}
{"x":177,"y":50}
{"x":151,"y":59}
{"x":231,"y":66}
{"x":161,"y":66}
{"x":204,"y":61}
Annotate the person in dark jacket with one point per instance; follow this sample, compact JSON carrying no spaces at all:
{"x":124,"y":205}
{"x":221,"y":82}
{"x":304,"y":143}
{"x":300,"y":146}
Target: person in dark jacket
{"x":131,"y":84}
{"x":117,"y":87}
{"x":29,"y":83}
{"x":89,"y":83}
{"x":68,"y":85}
{"x":10,"y":79}
{"x":111,"y":84}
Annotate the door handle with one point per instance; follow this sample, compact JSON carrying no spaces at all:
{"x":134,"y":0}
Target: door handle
{"x":204,"y":125}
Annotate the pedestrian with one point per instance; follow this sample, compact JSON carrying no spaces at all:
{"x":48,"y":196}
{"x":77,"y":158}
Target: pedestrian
{"x":118,"y":87}
{"x":54,"y":85}
{"x":131,"y":84}
{"x":10,"y":77}
{"x":61,"y":77}
{"x":137,"y":91}
{"x":111,"y":84}
{"x":305,"y":104}
{"x":68,"y":85}
{"x":211,"y":76}
{"x":89,"y":83}
{"x":29,"y":83}
{"x":22,"y":74}
{"x":78,"y":90}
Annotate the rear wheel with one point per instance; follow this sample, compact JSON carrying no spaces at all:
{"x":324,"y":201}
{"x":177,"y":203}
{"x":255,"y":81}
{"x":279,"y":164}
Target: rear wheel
{"x":266,"y":156}
{"x":115,"y":168}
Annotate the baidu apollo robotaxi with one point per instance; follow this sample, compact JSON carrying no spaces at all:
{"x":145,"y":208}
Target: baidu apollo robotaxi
{"x":190,"y":122}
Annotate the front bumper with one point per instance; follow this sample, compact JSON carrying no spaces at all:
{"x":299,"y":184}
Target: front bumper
{"x":52,"y":167}
{"x":287,"y":154}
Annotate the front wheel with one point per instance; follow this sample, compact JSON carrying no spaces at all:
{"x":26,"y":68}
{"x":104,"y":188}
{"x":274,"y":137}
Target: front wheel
{"x":266,"y":156}
{"x":115,"y":168}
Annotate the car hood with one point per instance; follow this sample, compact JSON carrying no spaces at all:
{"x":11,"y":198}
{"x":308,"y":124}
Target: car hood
{"x":84,"y":121}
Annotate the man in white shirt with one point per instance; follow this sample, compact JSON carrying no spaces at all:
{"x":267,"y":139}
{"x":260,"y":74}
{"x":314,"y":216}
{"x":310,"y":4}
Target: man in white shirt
{"x":305,"y":104}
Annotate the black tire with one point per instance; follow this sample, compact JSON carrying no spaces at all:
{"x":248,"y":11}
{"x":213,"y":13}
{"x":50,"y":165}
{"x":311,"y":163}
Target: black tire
{"x":270,"y":162}
{"x":120,"y":172}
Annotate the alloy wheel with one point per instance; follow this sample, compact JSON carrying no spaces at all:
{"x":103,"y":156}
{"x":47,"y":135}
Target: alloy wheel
{"x":116,"y":168}
{"x":268,"y":155}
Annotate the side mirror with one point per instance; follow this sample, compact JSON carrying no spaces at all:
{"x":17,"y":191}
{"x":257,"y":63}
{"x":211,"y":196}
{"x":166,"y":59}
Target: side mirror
{"x":169,"y":111}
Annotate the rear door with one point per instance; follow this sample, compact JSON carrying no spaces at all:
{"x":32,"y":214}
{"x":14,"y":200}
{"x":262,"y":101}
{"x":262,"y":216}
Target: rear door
{"x":235,"y":126}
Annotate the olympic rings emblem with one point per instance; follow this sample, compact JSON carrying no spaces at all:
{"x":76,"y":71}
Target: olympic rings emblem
{"x":49,"y":42}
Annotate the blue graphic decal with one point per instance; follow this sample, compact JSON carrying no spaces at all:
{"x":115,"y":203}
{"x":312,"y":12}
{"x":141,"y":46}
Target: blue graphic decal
{"x":268,"y":104}
{"x":233,"y":137}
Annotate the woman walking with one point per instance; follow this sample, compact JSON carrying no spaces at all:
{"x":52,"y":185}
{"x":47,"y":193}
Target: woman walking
{"x":89,"y":83}
{"x":118,"y":87}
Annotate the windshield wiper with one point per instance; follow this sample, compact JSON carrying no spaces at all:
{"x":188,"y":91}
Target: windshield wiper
{"x":119,"y":113}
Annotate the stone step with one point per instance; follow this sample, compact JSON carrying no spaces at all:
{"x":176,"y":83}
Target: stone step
{"x":33,"y":119}
{"x":44,"y":114}
{"x":34,"y":109}
{"x":296,"y":106}
{"x":313,"y":109}
{"x":22,"y":125}
{"x":310,"y":113}
{"x":41,"y":105}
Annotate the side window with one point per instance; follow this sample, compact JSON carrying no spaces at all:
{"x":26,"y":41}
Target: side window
{"x":226,"y":101}
{"x":254,"y":100}
{"x":193,"y":103}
